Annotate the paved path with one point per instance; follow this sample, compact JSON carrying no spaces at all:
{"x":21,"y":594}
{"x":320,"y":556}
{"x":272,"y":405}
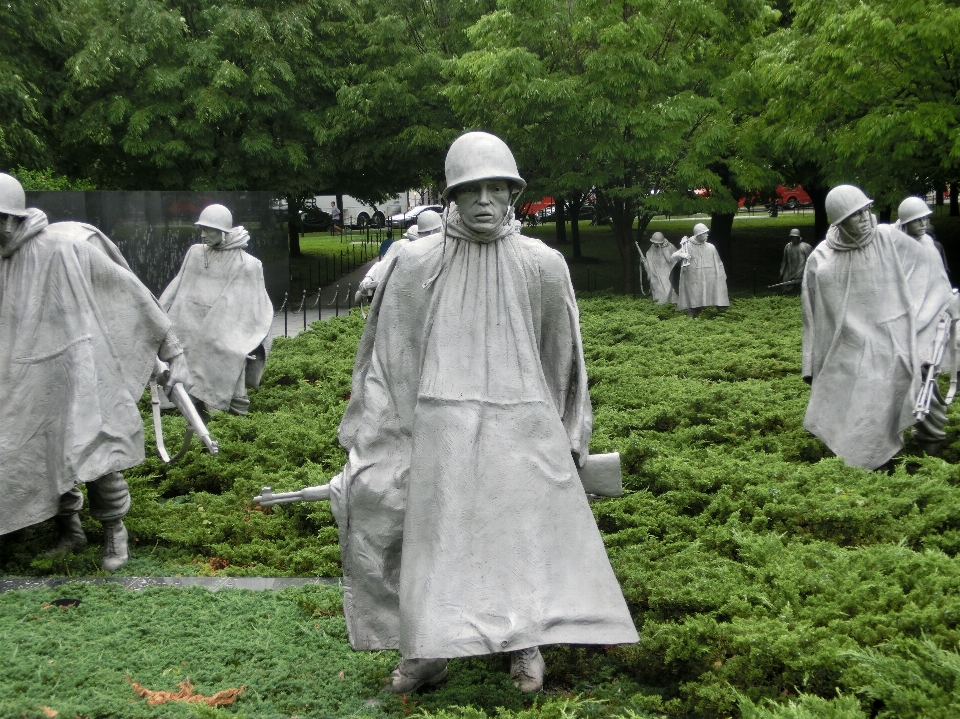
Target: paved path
{"x":8,"y":584}
{"x":327,"y":307}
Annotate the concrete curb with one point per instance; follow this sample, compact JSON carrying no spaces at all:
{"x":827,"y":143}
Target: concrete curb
{"x":9,"y":584}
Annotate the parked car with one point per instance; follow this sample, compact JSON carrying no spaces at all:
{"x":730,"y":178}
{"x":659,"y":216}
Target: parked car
{"x":586,"y":213}
{"x":405,"y":219}
{"x":790,"y":197}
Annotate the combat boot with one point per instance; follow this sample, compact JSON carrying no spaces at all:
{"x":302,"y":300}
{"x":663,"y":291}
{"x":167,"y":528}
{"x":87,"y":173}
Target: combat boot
{"x":411,"y":674}
{"x":115,"y":550}
{"x":72,"y":539}
{"x":527,"y":669}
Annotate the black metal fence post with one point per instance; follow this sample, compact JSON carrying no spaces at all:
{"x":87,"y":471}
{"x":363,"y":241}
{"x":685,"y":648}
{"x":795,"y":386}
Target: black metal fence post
{"x":349,"y":300}
{"x":336,"y":302}
{"x":286,"y":296}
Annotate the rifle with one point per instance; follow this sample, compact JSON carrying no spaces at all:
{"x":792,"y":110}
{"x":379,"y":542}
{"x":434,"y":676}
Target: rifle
{"x":788,"y":283}
{"x":643,"y":265}
{"x":601,"y":475}
{"x":946,"y":332}
{"x":178,"y":395}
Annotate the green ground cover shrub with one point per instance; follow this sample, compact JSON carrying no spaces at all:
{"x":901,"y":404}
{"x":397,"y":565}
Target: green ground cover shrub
{"x":768,"y":579}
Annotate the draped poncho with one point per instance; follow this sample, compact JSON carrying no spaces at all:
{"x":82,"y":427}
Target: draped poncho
{"x":794,"y":260}
{"x":464,"y":529}
{"x":659,"y":263}
{"x":78,"y":337}
{"x":703,"y":281}
{"x":221,"y":313}
{"x":870,"y":311}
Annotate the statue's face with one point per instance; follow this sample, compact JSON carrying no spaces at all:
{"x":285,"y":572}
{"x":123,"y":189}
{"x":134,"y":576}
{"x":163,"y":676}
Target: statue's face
{"x":210,"y":236}
{"x":703,"y":237}
{"x":483,"y":204}
{"x":8,"y":226}
{"x":917,"y":228}
{"x":858,"y":224}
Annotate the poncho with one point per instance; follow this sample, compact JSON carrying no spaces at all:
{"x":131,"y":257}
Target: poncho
{"x":659,"y":262}
{"x":870,"y":310}
{"x":221,"y":313}
{"x":464,"y":529}
{"x":78,"y":339}
{"x":703,"y":281}
{"x":794,"y":260}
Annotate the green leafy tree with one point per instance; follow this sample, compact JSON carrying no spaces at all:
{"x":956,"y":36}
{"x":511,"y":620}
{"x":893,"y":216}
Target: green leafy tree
{"x":621,"y":97}
{"x":32,"y":35}
{"x":205,"y":95}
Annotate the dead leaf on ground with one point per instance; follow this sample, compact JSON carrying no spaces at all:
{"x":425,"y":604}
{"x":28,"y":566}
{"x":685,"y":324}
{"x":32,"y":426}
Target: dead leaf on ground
{"x":50,"y":712}
{"x":186,"y":694}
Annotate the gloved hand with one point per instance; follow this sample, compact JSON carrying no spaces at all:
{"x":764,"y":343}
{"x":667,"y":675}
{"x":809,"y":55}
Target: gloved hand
{"x":954,"y":307}
{"x":178,"y":371}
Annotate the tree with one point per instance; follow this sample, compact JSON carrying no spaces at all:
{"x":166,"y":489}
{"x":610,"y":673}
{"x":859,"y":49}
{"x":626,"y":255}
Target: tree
{"x":205,"y":95}
{"x":32,"y":35}
{"x":618,"y":96}
{"x":865,"y":93}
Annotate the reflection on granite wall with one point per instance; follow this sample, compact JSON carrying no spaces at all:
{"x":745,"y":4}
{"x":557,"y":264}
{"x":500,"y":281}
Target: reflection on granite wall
{"x":154,"y":229}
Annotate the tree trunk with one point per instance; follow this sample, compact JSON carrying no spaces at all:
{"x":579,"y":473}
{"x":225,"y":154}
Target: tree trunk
{"x":818,"y":194}
{"x":954,"y":206}
{"x":561,"y":220}
{"x":939,"y":195}
{"x":721,"y":236}
{"x":622,"y":214}
{"x":575,"y":205}
{"x":294,"y":208}
{"x":884,"y":215}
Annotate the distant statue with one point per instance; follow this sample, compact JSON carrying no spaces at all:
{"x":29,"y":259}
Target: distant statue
{"x":795,"y":256}
{"x":702,"y":281}
{"x":874,"y":303}
{"x":658,"y":262}
{"x":222,"y":314}
{"x":428,"y":223}
{"x":464,"y":526}
{"x":79,"y":339}
{"x":913,"y":218}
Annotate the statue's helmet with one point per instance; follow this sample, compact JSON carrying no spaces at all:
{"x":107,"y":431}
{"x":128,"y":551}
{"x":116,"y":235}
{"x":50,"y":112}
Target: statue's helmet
{"x":216,"y":217}
{"x":699,"y":229}
{"x":428,"y":222}
{"x":13,"y":201}
{"x":657,"y":238}
{"x":412,"y":233}
{"x":476,"y":156}
{"x":843,"y":201}
{"x":913,"y":208}
{"x":794,"y":232}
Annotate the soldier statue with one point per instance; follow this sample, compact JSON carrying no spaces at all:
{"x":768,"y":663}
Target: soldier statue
{"x":874,"y":300}
{"x":79,"y":338}
{"x":222,"y":314}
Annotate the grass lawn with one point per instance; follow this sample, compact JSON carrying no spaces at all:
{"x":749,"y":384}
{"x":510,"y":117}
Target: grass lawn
{"x":328,"y":257}
{"x":760,"y":570}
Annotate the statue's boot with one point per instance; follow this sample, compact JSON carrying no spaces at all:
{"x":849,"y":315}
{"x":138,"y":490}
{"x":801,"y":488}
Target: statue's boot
{"x":72,"y":539}
{"x":115,"y":550}
{"x":411,"y":674}
{"x":527,"y":669}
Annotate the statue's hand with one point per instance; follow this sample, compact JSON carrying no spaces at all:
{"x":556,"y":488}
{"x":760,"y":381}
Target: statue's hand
{"x":178,"y":371}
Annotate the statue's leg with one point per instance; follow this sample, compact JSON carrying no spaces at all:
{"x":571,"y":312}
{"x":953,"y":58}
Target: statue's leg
{"x":929,"y":432}
{"x":240,"y":402}
{"x":411,"y":674}
{"x":109,"y":503}
{"x":72,"y":539}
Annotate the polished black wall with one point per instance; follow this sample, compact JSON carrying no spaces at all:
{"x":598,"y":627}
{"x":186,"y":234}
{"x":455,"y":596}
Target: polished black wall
{"x":154,"y":229}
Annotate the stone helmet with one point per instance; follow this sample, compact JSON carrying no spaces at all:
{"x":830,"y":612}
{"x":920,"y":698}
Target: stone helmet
{"x":216,"y":217}
{"x":794,"y":232}
{"x":13,"y":201}
{"x":412,"y":233}
{"x":657,"y":238}
{"x":699,"y":229}
{"x":843,"y":201}
{"x":476,"y":156}
{"x":428,"y":222}
{"x":913,"y":208}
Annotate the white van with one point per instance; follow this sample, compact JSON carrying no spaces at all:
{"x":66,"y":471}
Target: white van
{"x":358,"y":214}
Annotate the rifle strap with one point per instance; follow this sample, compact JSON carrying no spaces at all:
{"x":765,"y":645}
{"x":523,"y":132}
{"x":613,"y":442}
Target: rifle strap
{"x":157,"y":425}
{"x":952,"y":345}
